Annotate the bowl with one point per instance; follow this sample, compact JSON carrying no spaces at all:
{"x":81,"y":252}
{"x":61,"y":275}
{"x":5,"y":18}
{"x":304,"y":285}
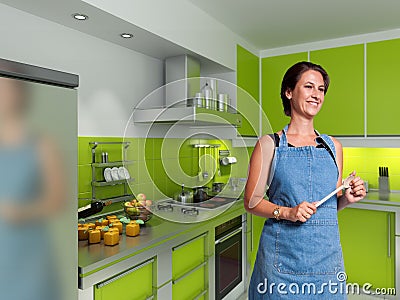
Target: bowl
{"x":138,"y":213}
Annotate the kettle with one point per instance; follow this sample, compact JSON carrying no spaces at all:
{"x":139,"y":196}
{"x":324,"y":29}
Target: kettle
{"x":184,"y":196}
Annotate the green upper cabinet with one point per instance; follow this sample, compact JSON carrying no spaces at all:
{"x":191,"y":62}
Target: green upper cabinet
{"x":343,"y":109}
{"x":383,"y":77}
{"x":248,"y":81}
{"x":273,"y":69}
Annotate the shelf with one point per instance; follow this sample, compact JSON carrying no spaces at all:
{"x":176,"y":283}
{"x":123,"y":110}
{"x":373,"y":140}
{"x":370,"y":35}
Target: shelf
{"x":95,"y":144}
{"x":117,"y":199}
{"x":114,"y":182}
{"x":187,"y":115}
{"x":112,"y":164}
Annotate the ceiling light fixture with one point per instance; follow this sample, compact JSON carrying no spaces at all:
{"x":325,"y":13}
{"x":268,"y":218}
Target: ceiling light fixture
{"x":126,"y":35}
{"x":80,"y":17}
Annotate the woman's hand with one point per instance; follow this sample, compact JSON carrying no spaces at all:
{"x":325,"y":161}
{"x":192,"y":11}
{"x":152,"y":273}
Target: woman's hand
{"x":301,"y":212}
{"x":357,"y":191}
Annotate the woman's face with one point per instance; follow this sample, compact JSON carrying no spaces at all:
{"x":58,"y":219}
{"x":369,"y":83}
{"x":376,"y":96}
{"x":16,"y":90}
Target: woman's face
{"x":308,"y":95}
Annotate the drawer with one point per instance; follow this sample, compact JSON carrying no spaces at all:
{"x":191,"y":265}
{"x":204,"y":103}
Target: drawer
{"x":191,"y":285}
{"x":188,"y":256}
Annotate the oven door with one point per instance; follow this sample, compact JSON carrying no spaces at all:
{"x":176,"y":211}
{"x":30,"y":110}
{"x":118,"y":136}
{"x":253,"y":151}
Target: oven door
{"x":228,"y":262}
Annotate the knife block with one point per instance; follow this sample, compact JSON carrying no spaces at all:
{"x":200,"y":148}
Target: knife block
{"x":384,"y":184}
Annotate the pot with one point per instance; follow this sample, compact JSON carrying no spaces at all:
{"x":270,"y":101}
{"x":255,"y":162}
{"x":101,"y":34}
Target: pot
{"x":184,"y":196}
{"x":200,"y":194}
{"x":217,"y":187}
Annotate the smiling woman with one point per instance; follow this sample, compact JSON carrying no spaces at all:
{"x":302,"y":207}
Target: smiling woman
{"x":299,"y":251}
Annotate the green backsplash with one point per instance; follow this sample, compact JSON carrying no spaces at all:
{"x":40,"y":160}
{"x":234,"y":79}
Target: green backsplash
{"x":159,"y":166}
{"x":367,"y":160}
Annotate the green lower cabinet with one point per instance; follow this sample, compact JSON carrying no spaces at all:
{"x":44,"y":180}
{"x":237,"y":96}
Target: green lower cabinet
{"x":189,"y":269}
{"x":368,"y":242}
{"x":136,"y":283}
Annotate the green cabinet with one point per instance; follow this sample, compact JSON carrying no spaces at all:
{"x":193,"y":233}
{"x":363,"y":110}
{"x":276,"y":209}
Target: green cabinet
{"x":273,"y":69}
{"x":343,"y":110}
{"x":189,"y":269}
{"x":136,"y":283}
{"x":368,"y":242}
{"x":248,"y":82}
{"x":383,"y":77}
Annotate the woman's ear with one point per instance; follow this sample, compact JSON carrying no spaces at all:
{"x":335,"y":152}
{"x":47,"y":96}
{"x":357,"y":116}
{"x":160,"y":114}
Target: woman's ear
{"x":288,"y":94}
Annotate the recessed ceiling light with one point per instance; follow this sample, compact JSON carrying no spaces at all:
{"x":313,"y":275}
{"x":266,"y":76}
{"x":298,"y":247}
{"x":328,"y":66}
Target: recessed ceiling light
{"x":80,"y":17}
{"x":126,"y":35}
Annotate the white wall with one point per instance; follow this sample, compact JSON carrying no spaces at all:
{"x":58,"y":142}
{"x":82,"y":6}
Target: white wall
{"x":112,"y":78}
{"x":181,"y":22}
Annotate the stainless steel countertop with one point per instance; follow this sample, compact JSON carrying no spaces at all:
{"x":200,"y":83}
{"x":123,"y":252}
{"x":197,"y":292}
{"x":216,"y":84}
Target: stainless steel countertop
{"x":154,"y":232}
{"x":377,"y":198}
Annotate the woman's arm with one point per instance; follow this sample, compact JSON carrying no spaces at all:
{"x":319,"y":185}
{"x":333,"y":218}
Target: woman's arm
{"x":357,"y":191}
{"x":260,"y":164}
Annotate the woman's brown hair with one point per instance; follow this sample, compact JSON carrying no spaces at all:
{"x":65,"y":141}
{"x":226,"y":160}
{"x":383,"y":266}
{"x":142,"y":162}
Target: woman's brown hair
{"x":293,"y":75}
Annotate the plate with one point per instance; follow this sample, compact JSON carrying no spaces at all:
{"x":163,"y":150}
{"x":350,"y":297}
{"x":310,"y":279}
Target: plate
{"x":107,"y":175}
{"x":114,"y":173}
{"x":123,"y":173}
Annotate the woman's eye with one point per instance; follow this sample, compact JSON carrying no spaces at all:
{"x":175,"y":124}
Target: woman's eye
{"x":308,"y":87}
{"x":322,"y":90}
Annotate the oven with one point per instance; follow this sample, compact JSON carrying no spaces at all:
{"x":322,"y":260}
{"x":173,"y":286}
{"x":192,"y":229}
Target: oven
{"x":230,"y":258}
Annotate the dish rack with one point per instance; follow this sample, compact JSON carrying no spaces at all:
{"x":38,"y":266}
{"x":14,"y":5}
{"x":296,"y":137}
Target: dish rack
{"x":102,"y":165}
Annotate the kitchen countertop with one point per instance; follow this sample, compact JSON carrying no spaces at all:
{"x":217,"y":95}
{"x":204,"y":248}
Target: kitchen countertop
{"x":94,"y":257}
{"x":377,"y":198}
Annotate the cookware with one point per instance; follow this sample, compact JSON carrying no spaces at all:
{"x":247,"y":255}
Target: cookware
{"x":384,"y":180}
{"x":345,"y":184}
{"x":217,"y":187}
{"x":200,"y":194}
{"x":184,"y":196}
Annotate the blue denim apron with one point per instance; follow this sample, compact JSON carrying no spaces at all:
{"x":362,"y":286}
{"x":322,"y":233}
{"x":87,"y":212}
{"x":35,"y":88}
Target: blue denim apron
{"x":301,"y":260}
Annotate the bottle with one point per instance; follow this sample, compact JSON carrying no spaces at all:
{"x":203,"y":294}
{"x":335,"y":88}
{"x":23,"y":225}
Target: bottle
{"x":208,"y":96}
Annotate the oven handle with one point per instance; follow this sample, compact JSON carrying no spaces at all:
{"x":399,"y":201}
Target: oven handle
{"x":228,"y":236}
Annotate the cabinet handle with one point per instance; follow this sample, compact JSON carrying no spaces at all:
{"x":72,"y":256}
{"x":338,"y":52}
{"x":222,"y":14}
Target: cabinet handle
{"x":228,"y":236}
{"x":189,"y":241}
{"x":190,"y":272}
{"x":104,"y":283}
{"x":200,"y":295}
{"x":389,"y":254}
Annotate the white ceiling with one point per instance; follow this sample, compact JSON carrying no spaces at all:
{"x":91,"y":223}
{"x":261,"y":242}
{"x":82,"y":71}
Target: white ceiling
{"x":109,"y":27}
{"x":276,"y":23}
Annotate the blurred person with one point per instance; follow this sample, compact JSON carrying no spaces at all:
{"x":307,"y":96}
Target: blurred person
{"x":299,"y":252}
{"x":30,"y":187}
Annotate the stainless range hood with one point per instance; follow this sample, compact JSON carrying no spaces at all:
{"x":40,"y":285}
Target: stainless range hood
{"x":182,"y":76}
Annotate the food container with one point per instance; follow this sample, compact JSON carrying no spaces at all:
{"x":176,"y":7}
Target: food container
{"x":222,"y":102}
{"x":138,"y":213}
{"x":217,"y":187}
{"x":200,"y":194}
{"x":184,"y":196}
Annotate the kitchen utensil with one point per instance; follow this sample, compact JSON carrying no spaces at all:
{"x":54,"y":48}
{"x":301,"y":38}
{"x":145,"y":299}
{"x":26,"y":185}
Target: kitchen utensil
{"x":345,"y":185}
{"x":384,"y":186}
{"x":200,"y":194}
{"x":200,"y":174}
{"x":217,"y":187}
{"x":217,"y":162}
{"x":198,"y":100}
{"x":214,"y":87}
{"x":205,"y":172}
{"x":107,"y":174}
{"x":184,"y":196}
